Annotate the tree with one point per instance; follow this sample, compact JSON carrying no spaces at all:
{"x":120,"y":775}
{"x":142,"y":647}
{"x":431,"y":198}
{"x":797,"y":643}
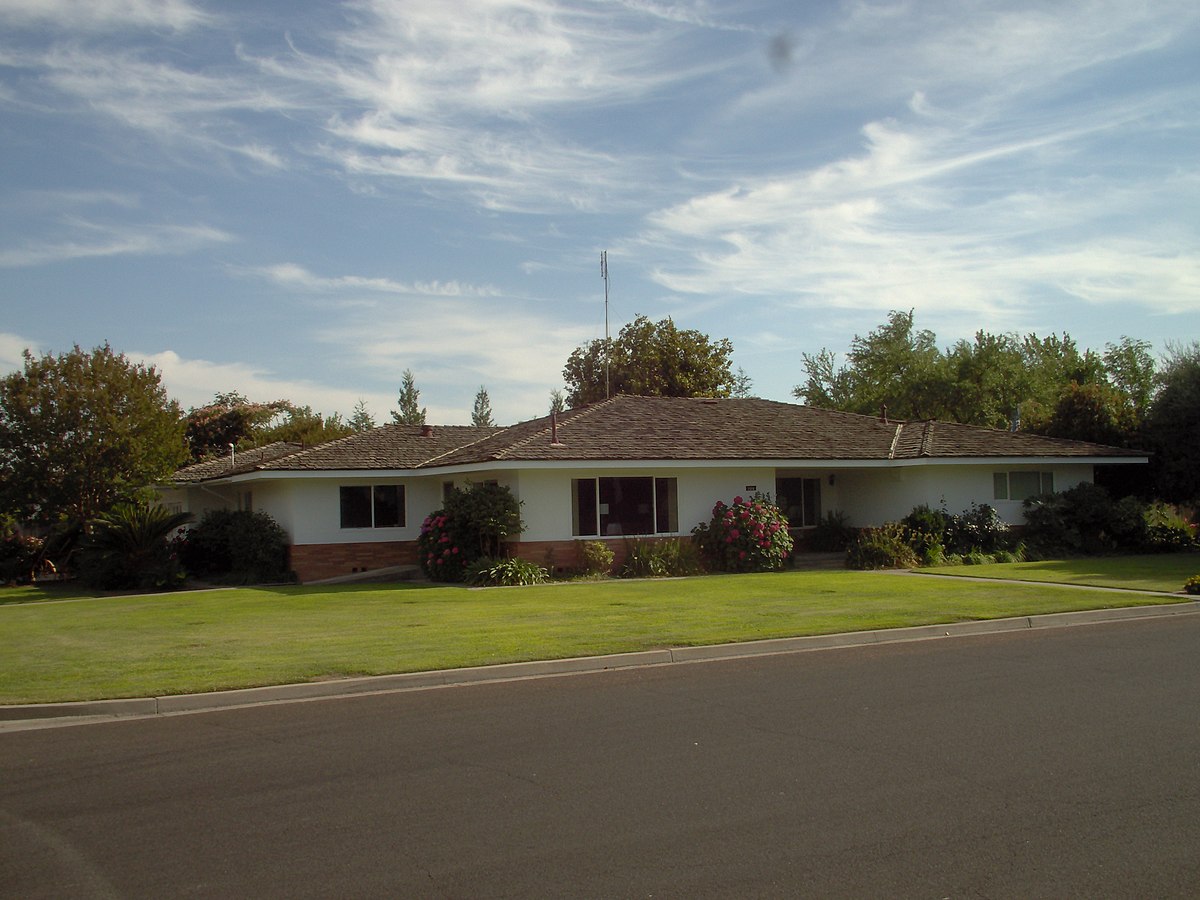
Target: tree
{"x":558,"y":403}
{"x":361,"y":419}
{"x":82,"y":431}
{"x":1132,"y":371}
{"x":743,"y":384}
{"x":229,"y":419}
{"x":481,"y":414}
{"x":650,"y":359}
{"x":1093,"y":412}
{"x":410,"y":411}
{"x":1173,"y":426}
{"x":302,"y":425}
{"x":894,"y":366}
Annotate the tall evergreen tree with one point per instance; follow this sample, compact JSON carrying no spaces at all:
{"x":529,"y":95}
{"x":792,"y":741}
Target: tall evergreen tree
{"x":410,"y":411}
{"x":558,"y":402}
{"x":481,"y":414}
{"x":361,"y":419}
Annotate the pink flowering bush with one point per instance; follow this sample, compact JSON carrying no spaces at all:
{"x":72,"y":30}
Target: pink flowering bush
{"x":443,"y":548}
{"x":473,"y":524}
{"x":749,"y":536}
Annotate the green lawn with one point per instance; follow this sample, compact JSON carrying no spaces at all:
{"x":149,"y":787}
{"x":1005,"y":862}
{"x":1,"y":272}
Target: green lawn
{"x":110,"y":647}
{"x":1158,"y":572}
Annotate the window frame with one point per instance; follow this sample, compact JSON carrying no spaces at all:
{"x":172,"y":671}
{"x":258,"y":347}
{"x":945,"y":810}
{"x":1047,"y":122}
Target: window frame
{"x":662,"y":515}
{"x":1002,"y":484}
{"x":377,"y":505}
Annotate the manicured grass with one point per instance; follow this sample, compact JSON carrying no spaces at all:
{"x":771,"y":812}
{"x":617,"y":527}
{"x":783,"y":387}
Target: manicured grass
{"x":177,"y":643}
{"x":1157,"y":572}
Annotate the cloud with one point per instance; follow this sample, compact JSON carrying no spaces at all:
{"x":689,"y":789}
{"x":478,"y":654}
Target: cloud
{"x":12,"y":349}
{"x":194,"y":382}
{"x":295,"y":276}
{"x":98,"y":240}
{"x":89,"y":15}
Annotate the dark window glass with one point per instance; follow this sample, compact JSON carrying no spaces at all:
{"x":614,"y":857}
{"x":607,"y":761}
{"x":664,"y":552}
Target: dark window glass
{"x":389,"y":505}
{"x":1023,"y":485}
{"x":626,"y":506}
{"x":583,"y":506}
{"x":356,"y":506}
{"x":666,"y":505}
{"x":800,"y":500}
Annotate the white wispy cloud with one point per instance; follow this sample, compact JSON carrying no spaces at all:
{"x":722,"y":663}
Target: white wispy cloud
{"x":88,"y":15}
{"x":92,"y":239}
{"x":296,"y":276}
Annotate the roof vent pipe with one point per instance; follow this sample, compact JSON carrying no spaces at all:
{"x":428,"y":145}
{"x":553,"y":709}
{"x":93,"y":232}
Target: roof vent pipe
{"x":554,"y":442}
{"x":883,"y":414}
{"x":232,"y":451}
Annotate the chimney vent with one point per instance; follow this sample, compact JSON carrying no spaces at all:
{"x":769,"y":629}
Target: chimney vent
{"x":426,"y":431}
{"x":554,"y":442}
{"x":883,"y":414}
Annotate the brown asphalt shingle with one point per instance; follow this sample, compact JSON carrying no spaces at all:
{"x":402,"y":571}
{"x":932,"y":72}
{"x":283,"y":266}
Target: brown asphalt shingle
{"x":664,"y":428}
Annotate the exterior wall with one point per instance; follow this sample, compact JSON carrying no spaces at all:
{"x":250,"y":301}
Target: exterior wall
{"x":308,"y":508}
{"x":874,"y":496}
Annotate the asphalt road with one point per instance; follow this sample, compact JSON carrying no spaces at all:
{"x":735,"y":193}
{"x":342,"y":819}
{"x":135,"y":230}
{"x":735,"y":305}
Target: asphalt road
{"x":1054,"y":763}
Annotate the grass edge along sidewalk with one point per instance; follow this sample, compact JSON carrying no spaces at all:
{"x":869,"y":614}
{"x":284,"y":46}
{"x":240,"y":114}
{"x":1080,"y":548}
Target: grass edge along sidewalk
{"x":241,"y":638}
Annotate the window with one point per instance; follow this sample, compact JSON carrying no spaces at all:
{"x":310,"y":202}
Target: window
{"x":613,"y":506}
{"x":800,"y":500}
{"x":372,"y":506}
{"x":1021,"y":485}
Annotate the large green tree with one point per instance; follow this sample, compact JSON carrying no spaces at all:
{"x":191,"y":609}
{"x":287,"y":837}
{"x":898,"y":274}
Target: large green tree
{"x":650,"y":359}
{"x":896,"y":365}
{"x":232,"y":419}
{"x":1173,"y":426}
{"x":82,"y":431}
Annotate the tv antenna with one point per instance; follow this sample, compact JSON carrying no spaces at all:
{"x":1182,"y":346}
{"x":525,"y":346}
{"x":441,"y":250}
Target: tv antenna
{"x":604,"y":275}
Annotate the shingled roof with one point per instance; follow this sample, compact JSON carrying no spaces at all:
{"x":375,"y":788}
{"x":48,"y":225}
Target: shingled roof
{"x":236,"y":463}
{"x":666,"y":428}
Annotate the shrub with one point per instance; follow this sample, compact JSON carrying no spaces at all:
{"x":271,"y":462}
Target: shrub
{"x":597,"y":557}
{"x":664,"y":558}
{"x":473,"y":523}
{"x":20,"y":556}
{"x":486,"y":572}
{"x":831,"y":534}
{"x":1192,"y":585}
{"x":236,"y":546}
{"x":1085,"y":520}
{"x":978,"y":528}
{"x":128,"y":547}
{"x":885,"y":547}
{"x":1167,"y":529}
{"x":749,"y":536}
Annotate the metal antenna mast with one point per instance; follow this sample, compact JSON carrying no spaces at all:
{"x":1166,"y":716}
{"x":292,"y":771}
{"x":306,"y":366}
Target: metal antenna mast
{"x":604,"y":275}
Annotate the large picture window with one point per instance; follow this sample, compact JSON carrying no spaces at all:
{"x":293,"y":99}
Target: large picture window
{"x":800,"y":500}
{"x":621,"y":506}
{"x":372,"y":506}
{"x":1021,"y":485}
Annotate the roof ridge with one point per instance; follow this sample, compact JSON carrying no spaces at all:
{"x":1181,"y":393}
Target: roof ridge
{"x":895,"y":440}
{"x":459,"y":447}
{"x":926,"y":438}
{"x":580,"y":413}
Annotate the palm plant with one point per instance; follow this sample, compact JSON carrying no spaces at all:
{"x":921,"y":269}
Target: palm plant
{"x":129,"y":547}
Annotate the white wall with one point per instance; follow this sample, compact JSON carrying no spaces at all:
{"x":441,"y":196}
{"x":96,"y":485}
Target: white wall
{"x":875,"y":496}
{"x":308,"y":509}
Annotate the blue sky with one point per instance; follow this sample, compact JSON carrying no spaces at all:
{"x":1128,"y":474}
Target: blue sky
{"x":302,"y":199}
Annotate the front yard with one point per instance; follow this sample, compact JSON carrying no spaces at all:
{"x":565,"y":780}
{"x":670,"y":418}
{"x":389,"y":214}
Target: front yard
{"x":137,"y":646}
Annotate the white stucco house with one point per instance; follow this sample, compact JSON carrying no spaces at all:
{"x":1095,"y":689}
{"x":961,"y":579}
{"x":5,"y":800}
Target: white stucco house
{"x":649,"y":466}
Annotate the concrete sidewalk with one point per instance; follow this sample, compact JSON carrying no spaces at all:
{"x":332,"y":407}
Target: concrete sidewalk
{"x":40,"y":715}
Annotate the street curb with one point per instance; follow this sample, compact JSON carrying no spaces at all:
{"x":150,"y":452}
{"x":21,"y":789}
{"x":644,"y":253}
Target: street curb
{"x":106,"y":710}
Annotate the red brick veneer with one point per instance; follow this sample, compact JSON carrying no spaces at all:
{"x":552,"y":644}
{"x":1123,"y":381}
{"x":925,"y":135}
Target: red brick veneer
{"x":312,"y":562}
